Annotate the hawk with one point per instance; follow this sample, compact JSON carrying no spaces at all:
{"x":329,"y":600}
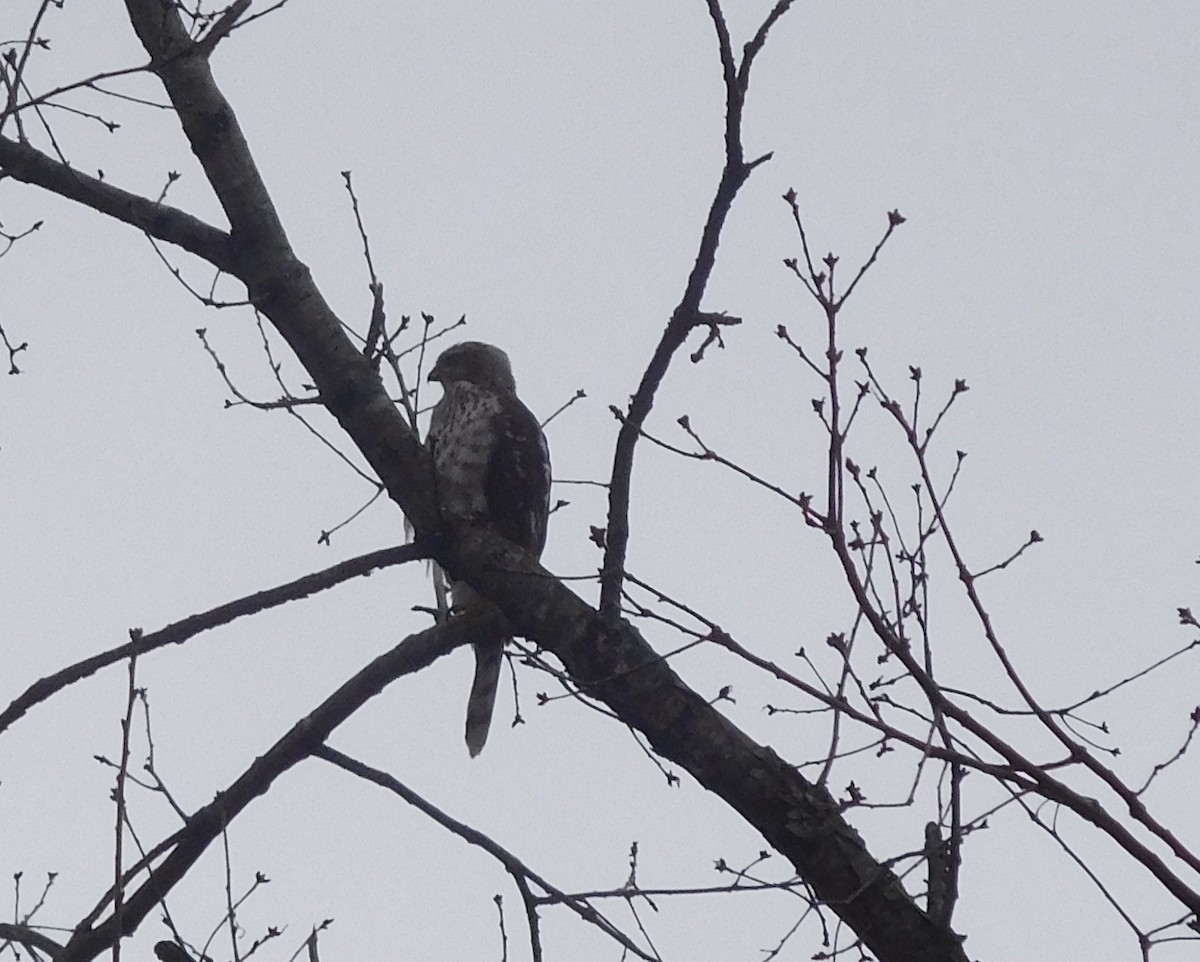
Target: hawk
{"x":492,"y":470}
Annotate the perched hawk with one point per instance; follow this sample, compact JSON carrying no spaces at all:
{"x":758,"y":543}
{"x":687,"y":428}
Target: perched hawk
{"x":492,"y":469}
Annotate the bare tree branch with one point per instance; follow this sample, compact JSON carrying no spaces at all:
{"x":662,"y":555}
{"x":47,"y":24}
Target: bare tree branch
{"x":180,"y":631}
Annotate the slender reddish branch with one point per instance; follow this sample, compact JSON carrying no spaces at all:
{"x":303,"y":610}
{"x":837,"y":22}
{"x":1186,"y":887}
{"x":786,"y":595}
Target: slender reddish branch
{"x":1078,"y":751}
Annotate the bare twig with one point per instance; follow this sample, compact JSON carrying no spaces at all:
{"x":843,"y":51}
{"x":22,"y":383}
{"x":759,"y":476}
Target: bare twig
{"x":13,"y":350}
{"x":119,"y":798}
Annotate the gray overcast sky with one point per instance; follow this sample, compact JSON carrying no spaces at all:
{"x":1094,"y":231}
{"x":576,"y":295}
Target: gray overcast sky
{"x":545,"y":169}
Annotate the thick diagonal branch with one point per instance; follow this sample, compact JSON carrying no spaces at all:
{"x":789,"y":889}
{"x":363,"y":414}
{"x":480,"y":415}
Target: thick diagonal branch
{"x":798,"y":819}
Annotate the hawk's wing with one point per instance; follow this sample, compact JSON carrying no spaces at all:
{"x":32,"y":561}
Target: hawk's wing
{"x":517,"y":485}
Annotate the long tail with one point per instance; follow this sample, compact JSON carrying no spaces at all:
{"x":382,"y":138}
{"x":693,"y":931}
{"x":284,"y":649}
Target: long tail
{"x":488,"y":659}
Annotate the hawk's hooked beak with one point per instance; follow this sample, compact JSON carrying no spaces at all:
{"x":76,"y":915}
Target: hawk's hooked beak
{"x":435,"y":374}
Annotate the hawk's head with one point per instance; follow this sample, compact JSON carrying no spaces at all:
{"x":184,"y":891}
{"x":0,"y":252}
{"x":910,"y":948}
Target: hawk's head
{"x":476,"y":363}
